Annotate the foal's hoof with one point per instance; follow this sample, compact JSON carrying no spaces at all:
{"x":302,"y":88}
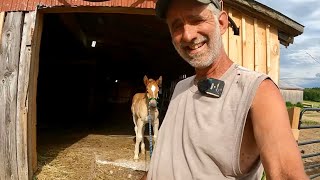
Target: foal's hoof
{"x":136,"y":159}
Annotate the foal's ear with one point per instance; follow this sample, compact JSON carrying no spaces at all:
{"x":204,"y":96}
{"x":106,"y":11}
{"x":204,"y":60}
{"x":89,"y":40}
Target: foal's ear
{"x":145,"y":80}
{"x":159,"y":81}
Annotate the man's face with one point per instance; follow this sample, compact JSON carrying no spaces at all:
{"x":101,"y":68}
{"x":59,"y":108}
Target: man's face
{"x":195,"y":32}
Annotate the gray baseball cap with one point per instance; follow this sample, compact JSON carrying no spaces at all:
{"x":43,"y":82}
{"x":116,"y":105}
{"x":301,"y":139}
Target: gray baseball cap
{"x":162,"y":6}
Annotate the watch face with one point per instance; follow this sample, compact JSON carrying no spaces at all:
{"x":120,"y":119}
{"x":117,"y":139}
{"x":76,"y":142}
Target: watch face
{"x":211,"y":87}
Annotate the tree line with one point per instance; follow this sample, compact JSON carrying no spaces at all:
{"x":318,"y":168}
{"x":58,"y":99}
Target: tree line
{"x":311,"y":94}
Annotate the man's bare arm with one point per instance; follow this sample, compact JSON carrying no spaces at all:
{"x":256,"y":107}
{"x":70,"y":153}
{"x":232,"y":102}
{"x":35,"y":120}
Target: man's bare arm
{"x":279,"y":152}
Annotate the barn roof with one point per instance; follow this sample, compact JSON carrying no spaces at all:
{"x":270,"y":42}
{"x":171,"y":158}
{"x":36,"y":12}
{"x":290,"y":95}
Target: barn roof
{"x":288,"y":86}
{"x":287,"y":28}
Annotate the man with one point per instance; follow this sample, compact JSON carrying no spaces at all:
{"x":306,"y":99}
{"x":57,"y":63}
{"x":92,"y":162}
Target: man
{"x":213,"y":136}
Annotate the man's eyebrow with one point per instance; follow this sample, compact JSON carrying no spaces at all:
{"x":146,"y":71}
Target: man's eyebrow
{"x":176,"y":21}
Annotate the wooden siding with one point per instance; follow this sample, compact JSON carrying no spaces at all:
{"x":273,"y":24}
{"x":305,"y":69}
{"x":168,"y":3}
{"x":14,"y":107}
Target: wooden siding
{"x":9,"y":63}
{"x":15,"y":63}
{"x":256,"y":48}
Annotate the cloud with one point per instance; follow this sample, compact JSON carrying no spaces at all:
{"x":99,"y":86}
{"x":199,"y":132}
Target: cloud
{"x":300,"y":62}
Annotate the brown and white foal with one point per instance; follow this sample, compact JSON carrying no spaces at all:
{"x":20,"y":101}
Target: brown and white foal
{"x":144,"y":105}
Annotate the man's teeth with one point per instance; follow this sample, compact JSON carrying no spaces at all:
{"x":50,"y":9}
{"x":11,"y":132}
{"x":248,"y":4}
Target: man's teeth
{"x":195,"y":46}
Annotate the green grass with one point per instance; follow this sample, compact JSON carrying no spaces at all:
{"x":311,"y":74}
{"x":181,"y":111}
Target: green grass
{"x":315,"y":104}
{"x":310,"y":123}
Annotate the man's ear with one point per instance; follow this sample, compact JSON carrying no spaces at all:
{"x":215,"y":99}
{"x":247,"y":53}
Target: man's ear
{"x":223,"y":22}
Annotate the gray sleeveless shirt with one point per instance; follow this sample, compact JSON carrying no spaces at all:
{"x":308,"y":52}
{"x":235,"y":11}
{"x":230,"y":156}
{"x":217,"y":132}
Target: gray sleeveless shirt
{"x":200,"y":137}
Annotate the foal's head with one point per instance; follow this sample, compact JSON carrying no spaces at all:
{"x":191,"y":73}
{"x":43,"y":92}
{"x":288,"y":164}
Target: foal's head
{"x":152,"y":87}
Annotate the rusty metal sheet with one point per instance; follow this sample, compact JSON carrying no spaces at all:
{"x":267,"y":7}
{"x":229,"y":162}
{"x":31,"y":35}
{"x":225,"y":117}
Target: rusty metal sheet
{"x":29,"y":5}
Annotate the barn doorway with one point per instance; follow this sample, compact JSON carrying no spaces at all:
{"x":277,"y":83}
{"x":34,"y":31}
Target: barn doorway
{"x":90,"y":66}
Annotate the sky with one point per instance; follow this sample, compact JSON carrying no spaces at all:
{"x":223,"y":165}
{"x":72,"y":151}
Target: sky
{"x":300,"y":62}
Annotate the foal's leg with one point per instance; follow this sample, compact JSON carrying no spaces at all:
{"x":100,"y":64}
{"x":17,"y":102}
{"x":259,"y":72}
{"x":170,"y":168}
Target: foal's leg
{"x":138,"y":138}
{"x":155,"y":130}
{"x":143,"y":149}
{"x":135,"y":123}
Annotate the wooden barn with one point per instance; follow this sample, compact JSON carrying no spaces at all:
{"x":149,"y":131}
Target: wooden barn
{"x":290,"y":92}
{"x":69,"y":68}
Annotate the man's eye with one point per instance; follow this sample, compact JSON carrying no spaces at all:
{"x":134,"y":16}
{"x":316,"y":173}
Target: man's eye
{"x":176,"y":26}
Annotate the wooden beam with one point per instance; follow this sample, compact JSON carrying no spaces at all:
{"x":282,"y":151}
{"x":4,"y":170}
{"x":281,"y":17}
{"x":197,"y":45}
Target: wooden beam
{"x":9,"y":63}
{"x":22,"y":97}
{"x":32,"y":96}
{"x":70,"y":21}
{"x":294,"y":115}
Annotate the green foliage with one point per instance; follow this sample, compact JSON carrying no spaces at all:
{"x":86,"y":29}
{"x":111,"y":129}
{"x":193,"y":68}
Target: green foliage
{"x":290,"y":105}
{"x":312,"y":94}
{"x":299,"y":104}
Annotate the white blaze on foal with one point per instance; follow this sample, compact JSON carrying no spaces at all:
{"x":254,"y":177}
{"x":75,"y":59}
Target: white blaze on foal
{"x":144,"y":104}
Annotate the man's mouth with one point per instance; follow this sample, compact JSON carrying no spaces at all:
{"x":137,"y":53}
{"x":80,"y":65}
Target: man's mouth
{"x":194,"y":48}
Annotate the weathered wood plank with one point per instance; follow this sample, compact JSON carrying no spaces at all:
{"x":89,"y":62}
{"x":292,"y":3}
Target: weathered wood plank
{"x":2,"y":16}
{"x":32,"y":111}
{"x":260,"y":46}
{"x":235,"y":44}
{"x":9,"y":62}
{"x":237,"y":18}
{"x":268,"y":52}
{"x":248,"y":42}
{"x":22,"y":97}
{"x":225,"y":40}
{"x":274,"y":71}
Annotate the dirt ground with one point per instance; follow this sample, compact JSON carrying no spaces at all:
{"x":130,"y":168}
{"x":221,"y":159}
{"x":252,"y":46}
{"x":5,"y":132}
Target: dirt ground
{"x":88,"y":156}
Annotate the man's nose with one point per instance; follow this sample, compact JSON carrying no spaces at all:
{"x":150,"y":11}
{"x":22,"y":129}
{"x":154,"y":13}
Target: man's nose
{"x":189,"y":33}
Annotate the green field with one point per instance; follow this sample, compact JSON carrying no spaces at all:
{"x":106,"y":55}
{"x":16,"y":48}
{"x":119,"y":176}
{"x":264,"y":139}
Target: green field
{"x":315,"y":104}
{"x":311,"y":118}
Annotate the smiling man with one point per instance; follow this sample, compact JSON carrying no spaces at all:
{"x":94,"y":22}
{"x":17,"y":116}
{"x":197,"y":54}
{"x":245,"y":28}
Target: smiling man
{"x":225,"y":122}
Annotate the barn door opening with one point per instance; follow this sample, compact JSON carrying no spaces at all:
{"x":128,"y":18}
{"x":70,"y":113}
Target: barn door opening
{"x":90,"y":66}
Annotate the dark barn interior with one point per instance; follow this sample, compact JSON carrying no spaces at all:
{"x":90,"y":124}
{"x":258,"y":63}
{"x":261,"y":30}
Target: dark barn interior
{"x":87,"y":88}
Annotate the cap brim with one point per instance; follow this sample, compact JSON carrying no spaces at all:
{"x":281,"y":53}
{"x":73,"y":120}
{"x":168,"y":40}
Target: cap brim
{"x":162,"y":6}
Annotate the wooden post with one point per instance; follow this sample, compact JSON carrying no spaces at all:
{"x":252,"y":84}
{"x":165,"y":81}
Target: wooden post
{"x":2,"y":16}
{"x":22,"y":97}
{"x":33,"y":82}
{"x":294,"y":115}
{"x":9,"y":63}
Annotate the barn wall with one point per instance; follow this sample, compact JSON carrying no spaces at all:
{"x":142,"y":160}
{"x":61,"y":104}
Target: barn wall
{"x":257,"y":47}
{"x":293,"y":96}
{"x":15,"y":57}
